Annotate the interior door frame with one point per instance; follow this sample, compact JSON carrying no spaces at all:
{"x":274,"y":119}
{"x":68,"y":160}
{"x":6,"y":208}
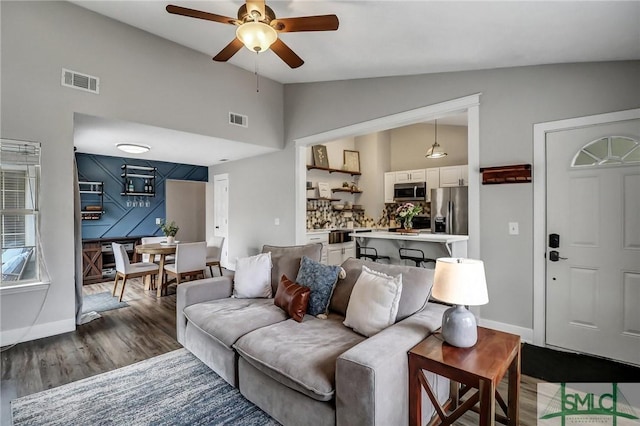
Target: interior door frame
{"x":470,"y":104}
{"x":540,"y":131}
{"x":224,"y":257}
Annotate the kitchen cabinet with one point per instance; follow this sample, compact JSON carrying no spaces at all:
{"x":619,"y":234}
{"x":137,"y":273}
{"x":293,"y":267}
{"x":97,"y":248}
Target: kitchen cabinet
{"x":389,"y":181}
{"x":339,"y":252}
{"x":433,"y":180}
{"x":410,"y":176}
{"x":323,"y":238}
{"x":454,"y":176}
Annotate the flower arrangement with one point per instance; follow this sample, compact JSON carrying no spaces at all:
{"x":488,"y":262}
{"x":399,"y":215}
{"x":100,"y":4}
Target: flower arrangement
{"x":407,"y":211}
{"x":169,"y":229}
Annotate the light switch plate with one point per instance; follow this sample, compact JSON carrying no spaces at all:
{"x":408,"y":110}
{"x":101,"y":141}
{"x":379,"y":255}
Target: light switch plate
{"x":276,"y":221}
{"x":513,"y":228}
{"x":158,"y":220}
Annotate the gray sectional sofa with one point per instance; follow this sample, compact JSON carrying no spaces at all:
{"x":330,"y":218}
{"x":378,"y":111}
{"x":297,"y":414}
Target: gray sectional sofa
{"x":318,"y":371}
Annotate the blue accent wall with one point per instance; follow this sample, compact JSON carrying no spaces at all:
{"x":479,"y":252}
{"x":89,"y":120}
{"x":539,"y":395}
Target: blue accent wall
{"x":118,"y":220}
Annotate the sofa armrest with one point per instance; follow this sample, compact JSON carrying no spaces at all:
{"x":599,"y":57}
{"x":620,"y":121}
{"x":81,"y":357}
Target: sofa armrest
{"x":199,"y":291}
{"x":372,"y":378}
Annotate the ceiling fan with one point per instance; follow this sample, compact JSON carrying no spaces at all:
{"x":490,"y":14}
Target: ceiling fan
{"x":258,"y":29}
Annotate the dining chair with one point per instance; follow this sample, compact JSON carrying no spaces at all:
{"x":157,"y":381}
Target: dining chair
{"x":126,"y":270}
{"x":191,"y":260}
{"x":214,"y":252}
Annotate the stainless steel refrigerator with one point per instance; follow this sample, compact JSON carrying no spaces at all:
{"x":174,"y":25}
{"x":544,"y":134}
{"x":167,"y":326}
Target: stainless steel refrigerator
{"x":450,"y":210}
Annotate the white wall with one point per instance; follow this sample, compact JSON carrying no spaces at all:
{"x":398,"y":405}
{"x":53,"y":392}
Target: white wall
{"x":185,"y":203}
{"x":512,"y":101}
{"x":143,"y":79}
{"x":374,"y":161}
{"x":409,"y":145}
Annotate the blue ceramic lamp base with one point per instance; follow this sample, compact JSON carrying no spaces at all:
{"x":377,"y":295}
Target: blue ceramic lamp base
{"x":459,"y":327}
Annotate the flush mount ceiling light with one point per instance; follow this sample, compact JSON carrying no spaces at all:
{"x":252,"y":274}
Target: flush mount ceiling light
{"x":436,"y":150}
{"x":132,"y":148}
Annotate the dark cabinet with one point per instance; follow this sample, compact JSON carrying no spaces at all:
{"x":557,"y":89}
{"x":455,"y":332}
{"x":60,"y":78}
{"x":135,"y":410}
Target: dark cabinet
{"x":98,"y":262}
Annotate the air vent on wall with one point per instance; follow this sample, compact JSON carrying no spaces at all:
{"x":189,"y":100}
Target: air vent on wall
{"x":238,"y":119}
{"x":80,"y":81}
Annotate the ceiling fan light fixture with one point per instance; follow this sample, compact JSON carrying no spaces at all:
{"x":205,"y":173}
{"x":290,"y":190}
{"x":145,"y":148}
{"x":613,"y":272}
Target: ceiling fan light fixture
{"x":132,"y":148}
{"x":256,"y":36}
{"x":436,"y":150}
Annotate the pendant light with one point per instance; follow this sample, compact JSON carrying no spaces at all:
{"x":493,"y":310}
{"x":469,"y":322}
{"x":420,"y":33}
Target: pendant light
{"x":436,"y":150}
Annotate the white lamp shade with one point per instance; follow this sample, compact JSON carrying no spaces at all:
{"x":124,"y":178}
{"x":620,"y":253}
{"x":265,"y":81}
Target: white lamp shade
{"x":256,"y":36}
{"x":460,"y":281}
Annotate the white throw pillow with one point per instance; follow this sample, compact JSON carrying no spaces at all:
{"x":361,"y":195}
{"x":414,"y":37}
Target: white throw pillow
{"x":253,"y":277}
{"x":374,"y":301}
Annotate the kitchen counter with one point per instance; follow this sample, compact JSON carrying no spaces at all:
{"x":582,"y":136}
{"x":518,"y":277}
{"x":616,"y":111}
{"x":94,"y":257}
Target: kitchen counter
{"x":387,"y":243}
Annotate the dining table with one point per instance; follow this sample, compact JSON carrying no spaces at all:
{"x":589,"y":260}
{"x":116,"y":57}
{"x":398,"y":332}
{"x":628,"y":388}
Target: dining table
{"x":162,"y":250}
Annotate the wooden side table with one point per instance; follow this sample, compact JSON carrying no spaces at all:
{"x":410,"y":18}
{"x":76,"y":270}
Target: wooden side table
{"x":480,"y":367}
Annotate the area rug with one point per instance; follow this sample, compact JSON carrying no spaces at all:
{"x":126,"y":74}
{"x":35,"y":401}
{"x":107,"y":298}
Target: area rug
{"x":171,"y":389}
{"x":558,"y":366}
{"x":101,"y":302}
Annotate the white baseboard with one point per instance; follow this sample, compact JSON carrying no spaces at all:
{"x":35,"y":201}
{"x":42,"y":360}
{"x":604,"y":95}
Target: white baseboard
{"x":38,"y":331}
{"x":526,"y":334}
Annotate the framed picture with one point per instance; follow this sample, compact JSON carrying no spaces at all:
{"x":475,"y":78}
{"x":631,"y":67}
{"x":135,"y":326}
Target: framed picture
{"x":352,"y":160}
{"x":320,"y":157}
{"x":323,"y":190}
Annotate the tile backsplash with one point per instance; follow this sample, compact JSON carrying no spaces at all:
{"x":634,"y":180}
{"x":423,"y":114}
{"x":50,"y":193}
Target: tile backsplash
{"x":321,"y":214}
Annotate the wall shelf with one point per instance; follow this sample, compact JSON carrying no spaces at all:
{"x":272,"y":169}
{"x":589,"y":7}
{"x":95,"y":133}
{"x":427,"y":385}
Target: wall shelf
{"x":135,"y":178}
{"x":519,"y":173}
{"x":322,"y":199}
{"x":330,"y":170}
{"x":91,"y":199}
{"x":346,"y":190}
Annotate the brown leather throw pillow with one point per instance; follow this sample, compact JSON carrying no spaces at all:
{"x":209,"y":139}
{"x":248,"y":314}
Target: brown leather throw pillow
{"x":292,"y":298}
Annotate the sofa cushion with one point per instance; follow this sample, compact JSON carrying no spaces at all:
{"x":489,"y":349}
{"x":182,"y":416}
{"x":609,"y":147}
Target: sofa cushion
{"x":321,"y":279}
{"x":373,"y":305}
{"x":416,"y":286}
{"x":302,"y":355}
{"x":226,"y":320}
{"x":286,"y":260}
{"x":292,"y":298}
{"x":253,"y":277}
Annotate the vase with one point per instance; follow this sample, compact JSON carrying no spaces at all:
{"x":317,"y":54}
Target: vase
{"x":171,"y":240}
{"x":408,"y":223}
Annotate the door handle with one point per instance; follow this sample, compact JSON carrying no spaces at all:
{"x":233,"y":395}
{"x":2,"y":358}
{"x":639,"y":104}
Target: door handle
{"x":554,"y":256}
{"x":217,"y":227}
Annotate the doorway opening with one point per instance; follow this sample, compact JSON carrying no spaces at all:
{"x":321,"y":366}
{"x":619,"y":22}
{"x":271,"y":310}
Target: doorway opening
{"x":469,"y":105}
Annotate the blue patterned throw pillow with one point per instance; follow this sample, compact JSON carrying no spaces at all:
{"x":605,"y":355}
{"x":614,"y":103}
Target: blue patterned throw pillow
{"x":321,"y":279}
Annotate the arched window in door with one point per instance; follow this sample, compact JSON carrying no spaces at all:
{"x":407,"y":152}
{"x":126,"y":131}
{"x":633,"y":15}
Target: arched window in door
{"x":612,"y":150}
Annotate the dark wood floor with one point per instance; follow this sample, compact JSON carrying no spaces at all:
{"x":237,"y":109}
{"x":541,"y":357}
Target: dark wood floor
{"x":121,"y":337}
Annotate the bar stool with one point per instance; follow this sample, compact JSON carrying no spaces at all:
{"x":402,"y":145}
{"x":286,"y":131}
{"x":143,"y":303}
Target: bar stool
{"x":415,"y":255}
{"x":372,"y":253}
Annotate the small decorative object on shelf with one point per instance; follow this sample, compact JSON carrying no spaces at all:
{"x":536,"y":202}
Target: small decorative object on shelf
{"x":170,"y":230}
{"x":320,"y":157}
{"x":407,"y":211}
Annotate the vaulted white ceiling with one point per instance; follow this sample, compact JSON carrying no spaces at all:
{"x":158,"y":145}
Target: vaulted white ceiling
{"x":385,"y":38}
{"x":375,"y":39}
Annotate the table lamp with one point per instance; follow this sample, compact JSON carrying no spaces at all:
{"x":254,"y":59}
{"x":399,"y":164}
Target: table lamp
{"x":460,"y":282}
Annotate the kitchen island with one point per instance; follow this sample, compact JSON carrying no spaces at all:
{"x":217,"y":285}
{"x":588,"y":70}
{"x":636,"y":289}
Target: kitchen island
{"x":433,"y":245}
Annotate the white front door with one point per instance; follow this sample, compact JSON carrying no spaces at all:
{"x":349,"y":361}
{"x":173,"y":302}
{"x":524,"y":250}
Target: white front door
{"x":221,"y":214}
{"x":593,"y":240}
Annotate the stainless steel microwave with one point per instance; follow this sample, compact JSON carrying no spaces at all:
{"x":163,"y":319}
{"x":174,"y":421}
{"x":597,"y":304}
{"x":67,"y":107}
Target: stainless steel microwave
{"x":416,"y":191}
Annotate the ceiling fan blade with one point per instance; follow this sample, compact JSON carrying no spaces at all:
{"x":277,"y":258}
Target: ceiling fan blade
{"x":230,"y":50}
{"x":192,"y":13}
{"x":256,"y":5}
{"x":306,"y":23}
{"x":286,"y":54}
